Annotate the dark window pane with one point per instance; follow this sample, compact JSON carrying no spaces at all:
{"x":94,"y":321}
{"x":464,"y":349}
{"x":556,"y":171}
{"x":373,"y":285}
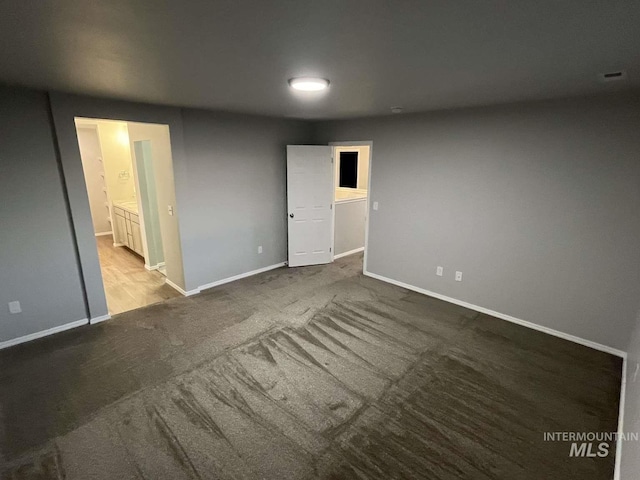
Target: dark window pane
{"x":349,"y":169}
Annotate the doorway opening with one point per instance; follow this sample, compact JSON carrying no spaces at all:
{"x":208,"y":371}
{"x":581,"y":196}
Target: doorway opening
{"x":352,"y":166}
{"x":128,"y":172}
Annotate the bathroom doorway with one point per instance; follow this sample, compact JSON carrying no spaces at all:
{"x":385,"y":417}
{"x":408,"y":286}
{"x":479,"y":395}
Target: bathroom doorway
{"x":129,"y":177}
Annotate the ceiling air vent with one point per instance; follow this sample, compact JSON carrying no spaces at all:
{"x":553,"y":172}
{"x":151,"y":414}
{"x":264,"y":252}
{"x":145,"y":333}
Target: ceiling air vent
{"x":613,"y":76}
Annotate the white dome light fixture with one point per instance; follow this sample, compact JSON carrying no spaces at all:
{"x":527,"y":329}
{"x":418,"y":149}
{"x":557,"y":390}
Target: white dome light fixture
{"x":309,"y":84}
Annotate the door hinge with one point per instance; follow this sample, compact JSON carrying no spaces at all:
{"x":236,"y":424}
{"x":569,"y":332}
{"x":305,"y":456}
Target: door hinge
{"x":329,"y":249}
{"x":331,"y":207}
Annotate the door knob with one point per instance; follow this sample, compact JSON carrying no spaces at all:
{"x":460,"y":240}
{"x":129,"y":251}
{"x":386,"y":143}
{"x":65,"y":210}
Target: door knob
{"x":291,"y":215}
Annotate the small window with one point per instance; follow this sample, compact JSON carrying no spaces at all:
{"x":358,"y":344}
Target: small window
{"x":349,"y":169}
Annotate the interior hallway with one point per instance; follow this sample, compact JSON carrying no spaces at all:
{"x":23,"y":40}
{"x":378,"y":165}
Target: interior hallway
{"x":127,"y":284}
{"x":315,"y":372}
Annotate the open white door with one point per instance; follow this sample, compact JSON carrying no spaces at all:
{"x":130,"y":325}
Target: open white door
{"x":310,"y":204}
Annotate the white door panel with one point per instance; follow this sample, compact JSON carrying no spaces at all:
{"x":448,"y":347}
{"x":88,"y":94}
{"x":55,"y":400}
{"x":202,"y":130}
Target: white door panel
{"x":309,"y":200}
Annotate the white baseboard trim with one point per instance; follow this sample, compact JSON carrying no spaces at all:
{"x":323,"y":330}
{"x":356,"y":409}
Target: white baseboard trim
{"x":43,"y":333}
{"x":617,"y":475}
{"x":119,"y":244}
{"x":99,"y":319}
{"x":350,"y":252}
{"x":180,"y":289}
{"x":154,"y":267}
{"x":240,"y":276}
{"x":224,"y":280}
{"x":102,"y":234}
{"x":502,"y":316}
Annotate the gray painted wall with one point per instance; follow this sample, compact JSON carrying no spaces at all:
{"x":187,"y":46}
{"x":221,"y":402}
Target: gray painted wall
{"x":349,"y":230}
{"x":237,"y":192}
{"x":537,"y":204}
{"x":37,"y":260}
{"x":630,"y":465}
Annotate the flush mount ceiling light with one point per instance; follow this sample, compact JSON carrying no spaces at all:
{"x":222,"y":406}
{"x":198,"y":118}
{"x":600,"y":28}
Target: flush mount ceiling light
{"x":309,"y":84}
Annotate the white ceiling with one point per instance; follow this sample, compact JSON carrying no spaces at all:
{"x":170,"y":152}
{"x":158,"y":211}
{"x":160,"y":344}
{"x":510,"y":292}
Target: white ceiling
{"x":238,"y":54}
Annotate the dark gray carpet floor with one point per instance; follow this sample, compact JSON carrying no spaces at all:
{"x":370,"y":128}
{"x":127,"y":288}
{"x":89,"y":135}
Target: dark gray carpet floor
{"x":315,"y":372}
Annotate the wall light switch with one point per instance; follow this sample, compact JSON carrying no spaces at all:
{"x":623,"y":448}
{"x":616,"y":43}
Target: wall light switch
{"x":170,"y":208}
{"x":375,"y":205}
{"x":635,"y":373}
{"x":14,"y":307}
{"x":458,"y":276}
{"x":260,"y":249}
{"x":439,"y":271}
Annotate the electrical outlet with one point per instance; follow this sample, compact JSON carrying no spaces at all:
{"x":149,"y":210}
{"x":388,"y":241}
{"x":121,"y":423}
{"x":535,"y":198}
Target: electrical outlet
{"x":260,"y":249}
{"x":458,"y":276}
{"x":439,"y":271}
{"x":14,"y":307}
{"x":375,"y":205}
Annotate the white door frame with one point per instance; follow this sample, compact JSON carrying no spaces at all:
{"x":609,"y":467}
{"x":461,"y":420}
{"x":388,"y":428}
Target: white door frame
{"x":357,"y":143}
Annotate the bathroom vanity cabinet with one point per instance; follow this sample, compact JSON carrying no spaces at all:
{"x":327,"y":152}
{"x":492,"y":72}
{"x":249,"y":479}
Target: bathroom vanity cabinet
{"x":127,"y":226}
